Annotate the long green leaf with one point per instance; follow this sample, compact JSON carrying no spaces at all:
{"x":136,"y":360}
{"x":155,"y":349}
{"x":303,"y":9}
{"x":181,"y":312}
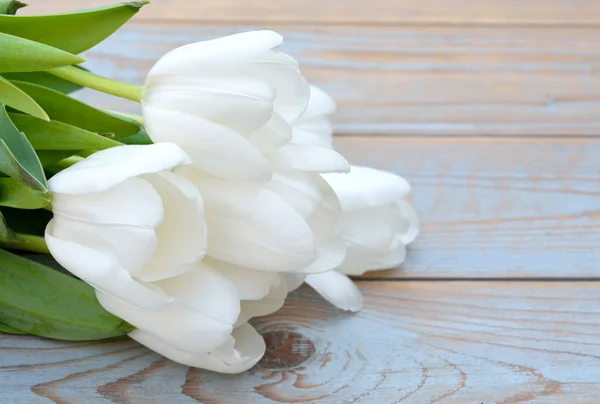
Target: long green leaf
{"x":23,"y":221}
{"x":16,"y":98}
{"x":17,"y":195}
{"x":63,"y":108}
{"x":10,"y":6}
{"x":51,"y":157}
{"x":45,"y":80}
{"x":17,"y":157}
{"x":139,"y":138}
{"x":43,"y":301}
{"x":57,"y":135}
{"x":22,"y":55}
{"x":10,"y":330}
{"x":73,"y":32}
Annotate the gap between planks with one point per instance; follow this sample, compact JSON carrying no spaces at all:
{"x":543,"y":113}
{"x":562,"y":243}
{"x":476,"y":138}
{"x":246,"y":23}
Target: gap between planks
{"x":399,"y":12}
{"x":431,"y":81}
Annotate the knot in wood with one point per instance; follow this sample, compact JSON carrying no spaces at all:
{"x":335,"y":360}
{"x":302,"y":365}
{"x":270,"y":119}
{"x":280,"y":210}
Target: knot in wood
{"x":286,"y":350}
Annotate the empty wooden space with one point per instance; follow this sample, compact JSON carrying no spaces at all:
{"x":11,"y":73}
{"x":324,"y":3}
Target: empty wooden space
{"x":397,"y":12}
{"x":491,"y":109}
{"x":415,"y":342}
{"x":428,"y":80}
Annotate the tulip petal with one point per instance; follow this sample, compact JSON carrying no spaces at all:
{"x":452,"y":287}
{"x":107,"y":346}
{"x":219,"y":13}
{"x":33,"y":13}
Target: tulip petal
{"x":251,"y":284}
{"x":111,"y":166}
{"x":301,"y":190}
{"x":307,"y":158}
{"x":330,"y":254}
{"x":337,"y":289}
{"x":414,"y":224}
{"x":212,"y":147}
{"x":325,"y":218}
{"x":236,"y":355}
{"x":276,"y":133}
{"x":182,"y":234}
{"x":311,"y":136}
{"x":200,"y":318}
{"x":243,"y":104}
{"x":130,"y":247}
{"x":360,"y":260}
{"x":97,"y":220}
{"x":132,"y":202}
{"x":319,"y":104}
{"x":262,"y":307}
{"x":253,"y":227}
{"x":282,"y":71}
{"x":312,"y":198}
{"x":372,"y":229}
{"x":102,"y":272}
{"x":293,"y":281}
{"x":217,"y":55}
{"x":367,"y":187}
{"x":205,"y":289}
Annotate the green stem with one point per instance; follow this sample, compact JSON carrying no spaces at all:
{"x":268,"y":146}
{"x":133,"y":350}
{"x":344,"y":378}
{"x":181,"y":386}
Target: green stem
{"x":99,"y":83}
{"x":26,"y":242}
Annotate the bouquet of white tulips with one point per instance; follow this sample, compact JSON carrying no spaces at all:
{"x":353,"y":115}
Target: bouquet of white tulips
{"x":178,"y":226}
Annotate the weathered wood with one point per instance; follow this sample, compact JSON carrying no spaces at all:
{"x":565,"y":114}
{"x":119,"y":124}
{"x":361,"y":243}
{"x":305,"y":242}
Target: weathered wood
{"x":434,"y":80}
{"x":356,"y":11}
{"x":435,"y":342}
{"x":495,"y":207}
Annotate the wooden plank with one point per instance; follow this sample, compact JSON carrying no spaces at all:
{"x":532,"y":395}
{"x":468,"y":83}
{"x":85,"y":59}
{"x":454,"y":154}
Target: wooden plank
{"x":356,"y":11}
{"x":435,"y":342}
{"x":495,"y":207}
{"x":426,"y":80}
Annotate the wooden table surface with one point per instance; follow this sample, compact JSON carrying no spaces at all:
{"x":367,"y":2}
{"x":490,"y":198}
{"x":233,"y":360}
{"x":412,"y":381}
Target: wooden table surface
{"x":491,"y":109}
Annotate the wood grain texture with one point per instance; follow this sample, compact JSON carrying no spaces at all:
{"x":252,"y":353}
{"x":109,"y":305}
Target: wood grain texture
{"x":419,"y":81}
{"x":435,"y":342}
{"x":398,"y":12}
{"x":495,"y":207}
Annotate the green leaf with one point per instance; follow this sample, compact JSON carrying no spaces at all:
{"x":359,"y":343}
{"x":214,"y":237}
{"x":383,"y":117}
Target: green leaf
{"x":27,"y":221}
{"x":61,"y":107}
{"x":10,"y":330}
{"x":16,"y":195}
{"x":16,"y":98}
{"x":43,"y":301}
{"x":10,"y":6}
{"x":139,"y":138}
{"x":50,"y":157}
{"x":46,"y":80}
{"x":57,"y":135}
{"x":22,"y":55}
{"x":73,"y":32}
{"x":17,"y":157}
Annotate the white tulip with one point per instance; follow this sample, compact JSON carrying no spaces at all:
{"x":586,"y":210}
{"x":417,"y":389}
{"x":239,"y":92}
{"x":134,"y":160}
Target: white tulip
{"x":375,"y":221}
{"x":286,"y":225}
{"x":260,"y":293}
{"x":229,"y":104}
{"x":313,"y":128}
{"x":125,"y":223}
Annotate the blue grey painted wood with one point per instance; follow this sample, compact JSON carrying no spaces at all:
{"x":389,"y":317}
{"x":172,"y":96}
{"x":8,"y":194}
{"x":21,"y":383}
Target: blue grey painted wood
{"x":495,"y":207}
{"x":412,"y":80}
{"x":415,"y":342}
{"x":398,"y":12}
